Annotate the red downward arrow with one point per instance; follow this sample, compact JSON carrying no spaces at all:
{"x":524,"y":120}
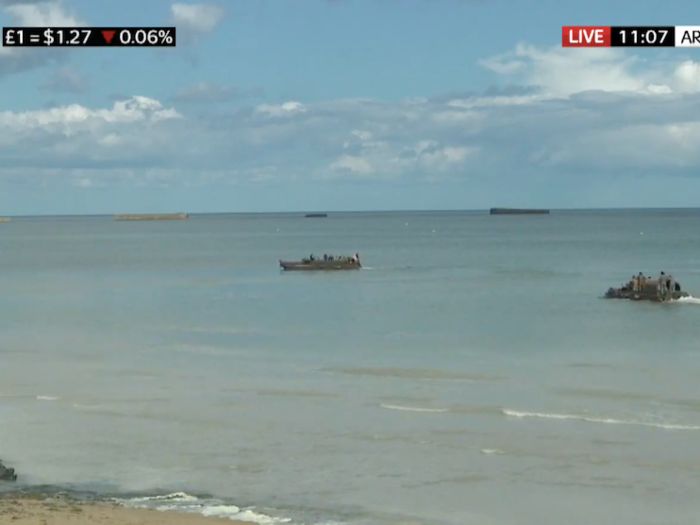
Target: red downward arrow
{"x":109,"y":35}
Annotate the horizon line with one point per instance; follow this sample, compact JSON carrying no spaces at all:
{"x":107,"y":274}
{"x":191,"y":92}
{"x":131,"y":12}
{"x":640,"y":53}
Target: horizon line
{"x":294,"y":212}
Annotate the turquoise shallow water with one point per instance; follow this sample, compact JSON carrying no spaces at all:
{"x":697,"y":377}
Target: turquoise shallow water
{"x":470,"y":374}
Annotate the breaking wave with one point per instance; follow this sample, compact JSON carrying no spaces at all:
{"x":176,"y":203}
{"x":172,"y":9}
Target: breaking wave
{"x":209,"y":507}
{"x":175,"y":496}
{"x":601,"y":420}
{"x":413,"y":409}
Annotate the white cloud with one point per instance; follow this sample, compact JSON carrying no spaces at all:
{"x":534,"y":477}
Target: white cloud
{"x":29,"y":13}
{"x":287,"y":109}
{"x":130,"y":133}
{"x":136,"y":109}
{"x":564,"y":71}
{"x":84,"y":183}
{"x":193,"y":22}
{"x":4,"y":3}
{"x":643,"y":117}
{"x":42,"y":14}
{"x":687,"y":76}
{"x":199,"y":19}
{"x":362,"y":135}
{"x":428,"y":159}
{"x":600,"y":114}
{"x":352,"y":164}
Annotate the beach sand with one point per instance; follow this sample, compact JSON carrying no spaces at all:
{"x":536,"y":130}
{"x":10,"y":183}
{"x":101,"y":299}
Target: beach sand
{"x":58,"y":510}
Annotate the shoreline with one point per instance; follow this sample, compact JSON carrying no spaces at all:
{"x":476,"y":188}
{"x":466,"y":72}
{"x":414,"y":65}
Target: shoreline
{"x":21,"y":508}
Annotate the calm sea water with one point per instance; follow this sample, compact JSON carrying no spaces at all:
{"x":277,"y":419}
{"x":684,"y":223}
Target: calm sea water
{"x":471,"y":374}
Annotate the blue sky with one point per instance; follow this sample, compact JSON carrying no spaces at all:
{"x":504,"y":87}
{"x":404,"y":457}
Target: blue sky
{"x":281,"y":105}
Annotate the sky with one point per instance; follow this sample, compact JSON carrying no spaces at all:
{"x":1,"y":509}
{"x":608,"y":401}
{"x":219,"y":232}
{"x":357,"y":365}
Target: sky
{"x":324,"y":105}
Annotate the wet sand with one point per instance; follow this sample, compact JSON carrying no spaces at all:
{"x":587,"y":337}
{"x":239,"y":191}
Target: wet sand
{"x":59,"y":510}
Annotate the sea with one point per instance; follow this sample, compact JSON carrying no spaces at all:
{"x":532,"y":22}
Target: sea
{"x":470,"y":373}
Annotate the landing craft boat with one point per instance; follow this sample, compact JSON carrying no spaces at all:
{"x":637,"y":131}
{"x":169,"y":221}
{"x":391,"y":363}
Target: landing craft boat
{"x":7,"y":473}
{"x":325,"y":263}
{"x":649,"y":292}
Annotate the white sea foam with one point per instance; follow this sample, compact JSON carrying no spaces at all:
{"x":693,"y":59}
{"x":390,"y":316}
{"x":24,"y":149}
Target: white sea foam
{"x":234,"y":513}
{"x":491,"y":451}
{"x":602,"y":420}
{"x":183,"y":502}
{"x":175,"y":496}
{"x":688,"y":300}
{"x":47,"y":398}
{"x":413,"y":409}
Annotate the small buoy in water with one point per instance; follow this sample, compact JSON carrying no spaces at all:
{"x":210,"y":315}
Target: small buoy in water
{"x":641,"y":233}
{"x":406,"y":224}
{"x":433,"y":231}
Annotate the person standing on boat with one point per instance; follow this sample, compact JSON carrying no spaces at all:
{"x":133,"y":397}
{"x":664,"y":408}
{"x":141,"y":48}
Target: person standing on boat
{"x":661,"y":285}
{"x":642,"y":281}
{"x":670,"y":286}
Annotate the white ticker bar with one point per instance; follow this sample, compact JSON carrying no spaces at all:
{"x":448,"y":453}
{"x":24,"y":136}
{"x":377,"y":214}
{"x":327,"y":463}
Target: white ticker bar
{"x":687,"y":36}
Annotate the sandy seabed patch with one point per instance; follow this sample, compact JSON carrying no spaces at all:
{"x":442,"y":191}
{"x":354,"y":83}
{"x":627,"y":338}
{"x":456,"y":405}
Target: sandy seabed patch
{"x":59,"y":510}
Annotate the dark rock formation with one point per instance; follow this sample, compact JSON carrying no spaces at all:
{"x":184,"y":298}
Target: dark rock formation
{"x":7,"y":474}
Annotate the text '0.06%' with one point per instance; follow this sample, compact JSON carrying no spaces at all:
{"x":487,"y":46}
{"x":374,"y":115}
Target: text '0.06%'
{"x":88,"y":36}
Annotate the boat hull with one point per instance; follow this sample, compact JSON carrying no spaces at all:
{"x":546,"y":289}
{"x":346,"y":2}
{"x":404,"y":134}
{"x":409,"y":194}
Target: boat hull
{"x":648,"y":294}
{"x":316,"y":266}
